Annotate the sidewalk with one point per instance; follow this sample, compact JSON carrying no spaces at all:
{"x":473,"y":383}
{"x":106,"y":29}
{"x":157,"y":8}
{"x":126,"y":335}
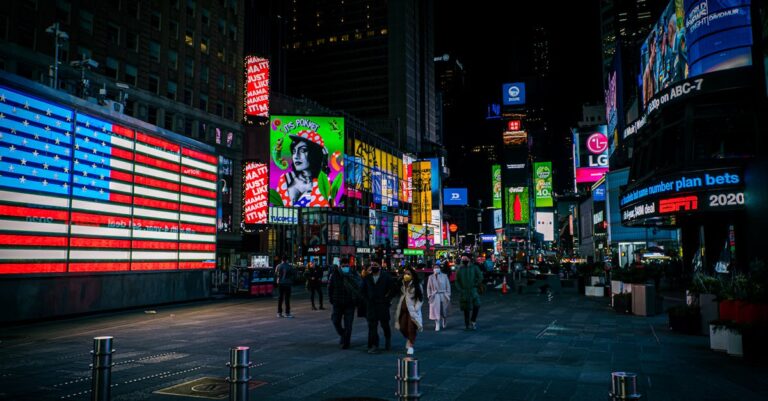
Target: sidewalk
{"x":525,"y":349}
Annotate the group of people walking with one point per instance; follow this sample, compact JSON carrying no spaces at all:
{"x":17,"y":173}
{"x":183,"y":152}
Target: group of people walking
{"x":370,"y":292}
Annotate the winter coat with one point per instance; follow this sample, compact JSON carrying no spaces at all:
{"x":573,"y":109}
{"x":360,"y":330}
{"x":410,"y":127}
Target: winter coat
{"x":344,"y":289}
{"x":378,"y":295}
{"x":314,"y":277}
{"x":439,"y":295}
{"x":413,"y":305}
{"x":468,"y":278}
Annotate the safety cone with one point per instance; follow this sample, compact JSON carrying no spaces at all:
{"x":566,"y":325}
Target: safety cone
{"x":504,"y":289}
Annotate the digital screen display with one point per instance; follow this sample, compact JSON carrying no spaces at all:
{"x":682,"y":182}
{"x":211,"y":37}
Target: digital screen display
{"x":255,"y":192}
{"x":496,"y":185}
{"x":256,"y":87}
{"x":542,"y":181}
{"x":306,"y":161}
{"x":513,"y":94}
{"x":419,"y":235}
{"x":455,"y":196}
{"x":517,"y":205}
{"x":545,"y":225}
{"x":81,"y":194}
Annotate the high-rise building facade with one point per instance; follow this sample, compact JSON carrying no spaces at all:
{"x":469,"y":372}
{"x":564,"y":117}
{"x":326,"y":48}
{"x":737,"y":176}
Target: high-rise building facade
{"x":369,"y":58}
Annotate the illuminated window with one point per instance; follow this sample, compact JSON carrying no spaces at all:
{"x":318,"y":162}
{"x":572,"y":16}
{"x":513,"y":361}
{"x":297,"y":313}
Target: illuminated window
{"x":358,"y":35}
{"x":370,"y":33}
{"x":344,"y":38}
{"x":384,"y":31}
{"x":204,"y":43}
{"x":333,"y":39}
{"x":296,"y":45}
{"x":321,"y":41}
{"x":189,"y":38}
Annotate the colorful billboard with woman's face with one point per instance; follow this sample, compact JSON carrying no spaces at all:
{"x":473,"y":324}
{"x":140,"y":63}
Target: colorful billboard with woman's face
{"x":306,"y":166}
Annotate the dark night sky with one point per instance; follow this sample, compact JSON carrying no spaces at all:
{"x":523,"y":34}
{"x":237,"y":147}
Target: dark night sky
{"x":493,"y":42}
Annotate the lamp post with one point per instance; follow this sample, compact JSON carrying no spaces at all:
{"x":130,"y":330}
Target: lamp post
{"x":59,"y":36}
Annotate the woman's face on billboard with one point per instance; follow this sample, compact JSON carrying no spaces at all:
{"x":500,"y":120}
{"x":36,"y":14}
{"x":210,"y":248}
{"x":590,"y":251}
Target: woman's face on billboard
{"x":300,"y":156}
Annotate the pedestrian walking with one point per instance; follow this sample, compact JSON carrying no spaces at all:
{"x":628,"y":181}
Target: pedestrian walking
{"x":468,"y":279}
{"x":284,"y":278}
{"x":378,"y":290}
{"x":343,"y":292}
{"x":439,"y":296}
{"x":408,"y":311}
{"x":314,"y":277}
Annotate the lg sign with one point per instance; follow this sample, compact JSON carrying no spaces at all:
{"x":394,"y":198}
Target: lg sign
{"x":597,"y":143}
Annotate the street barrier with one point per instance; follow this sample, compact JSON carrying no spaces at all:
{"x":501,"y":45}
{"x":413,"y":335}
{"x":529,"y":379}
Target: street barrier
{"x":407,"y":379}
{"x":101,"y":368}
{"x":238,"y":373}
{"x":624,"y":386}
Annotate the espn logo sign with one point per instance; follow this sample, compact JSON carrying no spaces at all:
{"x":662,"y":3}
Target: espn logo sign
{"x":682,"y":203}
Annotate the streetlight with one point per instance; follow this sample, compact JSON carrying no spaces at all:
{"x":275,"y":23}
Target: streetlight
{"x":59,"y":37}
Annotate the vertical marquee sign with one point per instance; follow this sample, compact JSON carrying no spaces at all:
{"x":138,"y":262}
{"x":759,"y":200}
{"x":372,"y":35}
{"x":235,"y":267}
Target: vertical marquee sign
{"x":255,"y":193}
{"x":256,"y":86}
{"x":84,"y":194}
{"x":422,"y":192}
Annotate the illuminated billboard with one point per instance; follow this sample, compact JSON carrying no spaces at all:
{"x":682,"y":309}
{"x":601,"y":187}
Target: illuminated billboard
{"x":255,"y":191}
{"x":306,"y":166}
{"x":542,"y":184}
{"x":513,"y":94}
{"x":256,"y":86}
{"x":695,"y":37}
{"x":517,"y":205}
{"x":496,"y":186}
{"x":545,"y":225}
{"x":84,"y":194}
{"x":419,"y":235}
{"x":422,"y":192}
{"x":590,"y":153}
{"x":455,"y":196}
{"x":370,"y":169}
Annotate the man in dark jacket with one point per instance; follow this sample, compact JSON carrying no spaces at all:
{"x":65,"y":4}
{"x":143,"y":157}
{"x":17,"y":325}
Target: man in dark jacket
{"x":284,"y":280}
{"x":378,"y":289}
{"x":314,"y":283}
{"x":344,"y":292}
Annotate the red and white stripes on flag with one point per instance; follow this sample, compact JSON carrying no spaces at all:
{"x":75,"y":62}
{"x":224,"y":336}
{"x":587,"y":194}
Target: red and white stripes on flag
{"x":197,"y":231}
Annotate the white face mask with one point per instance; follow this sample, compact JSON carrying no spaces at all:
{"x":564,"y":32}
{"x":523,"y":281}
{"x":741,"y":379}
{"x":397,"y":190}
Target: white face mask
{"x":437,"y":270}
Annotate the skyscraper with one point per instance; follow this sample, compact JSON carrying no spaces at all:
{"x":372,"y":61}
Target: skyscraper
{"x":371,"y":59}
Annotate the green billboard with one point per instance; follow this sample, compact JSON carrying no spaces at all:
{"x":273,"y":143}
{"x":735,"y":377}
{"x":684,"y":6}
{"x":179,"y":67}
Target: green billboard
{"x":517,"y":205}
{"x":496,"y":185}
{"x":542,"y":184}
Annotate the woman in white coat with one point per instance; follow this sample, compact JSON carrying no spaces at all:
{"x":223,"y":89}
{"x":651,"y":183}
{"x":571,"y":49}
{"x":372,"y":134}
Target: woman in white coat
{"x":439,"y":295}
{"x":408,"y":311}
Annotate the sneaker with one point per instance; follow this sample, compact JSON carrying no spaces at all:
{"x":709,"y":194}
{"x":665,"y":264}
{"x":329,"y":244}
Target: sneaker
{"x":409,"y":351}
{"x":473,"y":327}
{"x":279,"y":315}
{"x":437,"y":327}
{"x":288,"y":315}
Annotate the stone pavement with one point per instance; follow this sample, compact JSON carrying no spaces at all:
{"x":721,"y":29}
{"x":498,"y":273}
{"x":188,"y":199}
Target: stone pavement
{"x":525,"y":349}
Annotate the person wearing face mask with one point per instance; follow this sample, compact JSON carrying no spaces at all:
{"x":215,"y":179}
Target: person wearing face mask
{"x":378,"y":289}
{"x":468,"y":279}
{"x":344,"y":293}
{"x":439,"y":296}
{"x":408,"y":311}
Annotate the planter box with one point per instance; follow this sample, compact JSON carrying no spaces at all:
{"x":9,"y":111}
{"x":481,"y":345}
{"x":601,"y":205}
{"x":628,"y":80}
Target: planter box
{"x":596,"y":280}
{"x":718,"y":337}
{"x":708,"y":305}
{"x":734,"y":343}
{"x":643,"y":299}
{"x":594,"y":291}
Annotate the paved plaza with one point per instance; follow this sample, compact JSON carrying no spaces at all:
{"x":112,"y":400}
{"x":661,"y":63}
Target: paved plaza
{"x":524,"y":349}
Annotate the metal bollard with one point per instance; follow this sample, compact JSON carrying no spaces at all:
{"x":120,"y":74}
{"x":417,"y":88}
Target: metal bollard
{"x":101,"y":373}
{"x":624,"y":386}
{"x":238,"y":373}
{"x":408,"y":379}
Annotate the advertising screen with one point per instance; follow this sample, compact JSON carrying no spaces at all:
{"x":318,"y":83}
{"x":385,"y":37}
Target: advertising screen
{"x":590,"y":153}
{"x":498,"y":220}
{"x":256,"y":86}
{"x":283,"y":215}
{"x":306,"y":166}
{"x":517,"y":205}
{"x":718,"y":35}
{"x":545,"y":225}
{"x":513,"y":94}
{"x":418,"y":235}
{"x":542,"y":184}
{"x":455,"y":196}
{"x":255,"y":192}
{"x":663,"y":54}
{"x":496,"y":186}
{"x":84,"y":194}
{"x":435,"y":181}
{"x":422,"y":192}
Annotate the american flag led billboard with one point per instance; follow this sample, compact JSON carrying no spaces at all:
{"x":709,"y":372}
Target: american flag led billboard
{"x":81,"y":194}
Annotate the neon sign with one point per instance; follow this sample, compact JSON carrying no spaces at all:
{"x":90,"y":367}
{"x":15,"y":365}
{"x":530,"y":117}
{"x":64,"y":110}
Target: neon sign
{"x":682,"y":203}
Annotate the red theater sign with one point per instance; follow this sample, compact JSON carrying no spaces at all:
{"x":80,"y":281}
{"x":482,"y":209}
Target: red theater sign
{"x":256,"y":86}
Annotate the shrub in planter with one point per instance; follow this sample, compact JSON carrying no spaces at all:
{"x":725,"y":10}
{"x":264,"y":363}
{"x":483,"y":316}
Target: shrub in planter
{"x":685,"y":319}
{"x":718,"y":335}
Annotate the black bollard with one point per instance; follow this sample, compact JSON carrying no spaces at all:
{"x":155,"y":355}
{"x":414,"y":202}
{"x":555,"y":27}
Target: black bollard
{"x":101,"y":368}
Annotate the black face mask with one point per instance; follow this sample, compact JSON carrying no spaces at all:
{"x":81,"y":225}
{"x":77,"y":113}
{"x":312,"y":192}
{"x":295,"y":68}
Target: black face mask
{"x":375,"y":270}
